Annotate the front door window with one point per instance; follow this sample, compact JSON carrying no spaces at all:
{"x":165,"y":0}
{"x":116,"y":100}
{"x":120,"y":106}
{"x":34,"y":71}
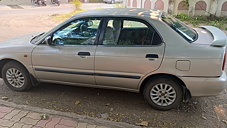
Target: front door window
{"x":79,"y":32}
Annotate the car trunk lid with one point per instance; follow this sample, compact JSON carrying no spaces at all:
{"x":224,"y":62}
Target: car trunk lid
{"x":217,"y":39}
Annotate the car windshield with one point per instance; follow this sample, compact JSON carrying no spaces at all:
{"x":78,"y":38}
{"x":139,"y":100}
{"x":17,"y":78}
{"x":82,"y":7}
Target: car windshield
{"x":36,"y":38}
{"x":186,"y":32}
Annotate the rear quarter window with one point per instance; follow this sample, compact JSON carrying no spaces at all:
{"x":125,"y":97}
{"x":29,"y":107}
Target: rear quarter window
{"x":182,"y":29}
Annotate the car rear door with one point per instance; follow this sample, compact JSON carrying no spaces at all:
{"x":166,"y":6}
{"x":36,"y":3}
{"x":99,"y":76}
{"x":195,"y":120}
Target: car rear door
{"x":130,"y":49}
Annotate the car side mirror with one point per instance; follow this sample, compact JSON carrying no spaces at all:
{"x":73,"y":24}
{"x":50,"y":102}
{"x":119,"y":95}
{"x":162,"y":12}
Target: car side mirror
{"x":48,"y":40}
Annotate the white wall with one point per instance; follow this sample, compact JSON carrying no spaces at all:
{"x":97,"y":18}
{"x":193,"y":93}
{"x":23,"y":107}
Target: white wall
{"x":212,"y":6}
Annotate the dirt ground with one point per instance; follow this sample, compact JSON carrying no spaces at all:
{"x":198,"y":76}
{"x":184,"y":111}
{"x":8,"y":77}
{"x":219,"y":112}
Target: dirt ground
{"x":203,"y":112}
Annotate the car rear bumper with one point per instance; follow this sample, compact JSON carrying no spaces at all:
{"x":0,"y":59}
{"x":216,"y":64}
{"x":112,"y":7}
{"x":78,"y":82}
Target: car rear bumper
{"x":205,"y":86}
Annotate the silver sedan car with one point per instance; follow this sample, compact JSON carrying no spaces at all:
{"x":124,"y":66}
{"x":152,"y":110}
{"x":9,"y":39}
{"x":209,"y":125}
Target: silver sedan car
{"x":137,"y":50}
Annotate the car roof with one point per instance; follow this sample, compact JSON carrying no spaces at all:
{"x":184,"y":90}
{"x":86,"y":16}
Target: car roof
{"x":128,"y":12}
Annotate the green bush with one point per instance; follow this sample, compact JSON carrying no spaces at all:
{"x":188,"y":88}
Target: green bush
{"x":204,"y":20}
{"x":77,"y":4}
{"x":182,"y":16}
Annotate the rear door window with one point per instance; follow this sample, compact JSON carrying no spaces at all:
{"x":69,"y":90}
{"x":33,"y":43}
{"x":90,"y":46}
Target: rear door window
{"x":130,"y":32}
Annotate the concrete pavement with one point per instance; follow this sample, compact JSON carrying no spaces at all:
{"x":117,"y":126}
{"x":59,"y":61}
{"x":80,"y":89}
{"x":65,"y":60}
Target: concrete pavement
{"x":23,"y":116}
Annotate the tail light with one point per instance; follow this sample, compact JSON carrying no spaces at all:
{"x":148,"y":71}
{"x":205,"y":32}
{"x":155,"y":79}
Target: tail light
{"x":224,"y":60}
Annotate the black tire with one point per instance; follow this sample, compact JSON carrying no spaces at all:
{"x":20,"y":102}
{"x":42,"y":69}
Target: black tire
{"x":163,"y":93}
{"x":16,"y":76}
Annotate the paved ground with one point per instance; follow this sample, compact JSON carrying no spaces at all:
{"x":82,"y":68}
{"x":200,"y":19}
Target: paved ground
{"x":22,"y":116}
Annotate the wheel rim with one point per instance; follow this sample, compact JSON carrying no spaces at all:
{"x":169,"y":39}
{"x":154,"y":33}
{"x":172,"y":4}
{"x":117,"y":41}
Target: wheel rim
{"x":163,"y":94}
{"x":15,"y":77}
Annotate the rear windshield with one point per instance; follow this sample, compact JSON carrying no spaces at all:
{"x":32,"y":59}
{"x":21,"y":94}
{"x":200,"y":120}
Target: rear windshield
{"x":186,"y":32}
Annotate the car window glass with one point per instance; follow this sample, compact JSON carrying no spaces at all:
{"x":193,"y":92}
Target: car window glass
{"x":130,"y":32}
{"x":134,"y":24}
{"x":109,"y":34}
{"x":188,"y":33}
{"x":79,"y":32}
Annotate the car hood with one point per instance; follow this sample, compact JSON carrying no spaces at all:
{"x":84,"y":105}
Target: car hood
{"x":18,"y":44}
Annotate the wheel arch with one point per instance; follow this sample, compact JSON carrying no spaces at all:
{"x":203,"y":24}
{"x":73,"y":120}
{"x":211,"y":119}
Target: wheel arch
{"x":186,"y":92}
{"x":6,"y":60}
{"x":3,"y":62}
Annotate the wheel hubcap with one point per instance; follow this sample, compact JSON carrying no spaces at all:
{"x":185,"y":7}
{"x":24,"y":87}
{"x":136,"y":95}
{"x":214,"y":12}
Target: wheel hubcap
{"x":163,"y":94}
{"x":15,"y":77}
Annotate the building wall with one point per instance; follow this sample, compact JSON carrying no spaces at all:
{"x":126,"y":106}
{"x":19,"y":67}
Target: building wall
{"x":195,"y":7}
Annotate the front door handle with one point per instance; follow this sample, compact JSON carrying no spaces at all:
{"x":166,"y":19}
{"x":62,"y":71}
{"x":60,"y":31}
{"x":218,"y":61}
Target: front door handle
{"x":84,"y":53}
{"x":153,"y":56}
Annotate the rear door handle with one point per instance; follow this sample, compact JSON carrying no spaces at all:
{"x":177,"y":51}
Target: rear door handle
{"x":84,"y":53}
{"x":153,"y":56}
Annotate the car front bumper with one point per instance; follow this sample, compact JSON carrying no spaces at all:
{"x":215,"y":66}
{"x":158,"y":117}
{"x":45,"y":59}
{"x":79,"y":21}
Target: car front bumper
{"x":205,"y":86}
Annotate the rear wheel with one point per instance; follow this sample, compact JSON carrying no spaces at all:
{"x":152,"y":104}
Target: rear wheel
{"x":163,"y":93}
{"x":16,"y":76}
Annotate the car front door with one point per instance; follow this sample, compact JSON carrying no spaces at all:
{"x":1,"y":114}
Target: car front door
{"x":130,"y":49}
{"x":70,"y":59}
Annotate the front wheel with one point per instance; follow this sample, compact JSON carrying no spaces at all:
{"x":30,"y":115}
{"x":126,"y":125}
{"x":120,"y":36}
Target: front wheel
{"x":16,"y":76}
{"x":163,"y":93}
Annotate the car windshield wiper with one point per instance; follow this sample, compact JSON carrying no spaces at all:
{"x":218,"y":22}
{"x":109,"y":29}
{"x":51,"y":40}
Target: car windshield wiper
{"x":34,"y":39}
